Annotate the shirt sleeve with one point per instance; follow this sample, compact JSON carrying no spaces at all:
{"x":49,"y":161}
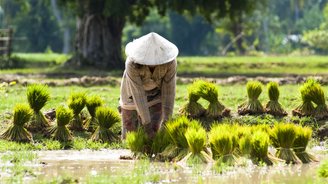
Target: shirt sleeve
{"x":168,"y":91}
{"x":138,"y":93}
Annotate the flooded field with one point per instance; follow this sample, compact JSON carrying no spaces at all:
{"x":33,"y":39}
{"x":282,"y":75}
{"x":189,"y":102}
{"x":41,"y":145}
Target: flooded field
{"x":105,"y":166}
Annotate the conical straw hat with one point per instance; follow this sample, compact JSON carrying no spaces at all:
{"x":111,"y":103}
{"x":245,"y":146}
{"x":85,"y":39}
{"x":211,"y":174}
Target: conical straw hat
{"x":151,"y":49}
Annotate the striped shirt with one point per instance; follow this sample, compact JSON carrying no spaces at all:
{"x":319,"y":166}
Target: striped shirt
{"x":141,"y":88}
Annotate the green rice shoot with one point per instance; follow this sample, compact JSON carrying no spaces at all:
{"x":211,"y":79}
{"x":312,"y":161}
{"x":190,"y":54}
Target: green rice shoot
{"x":223,"y":144}
{"x":196,"y":139}
{"x":138,"y":142}
{"x":306,"y":108}
{"x":16,"y":131}
{"x":60,"y":131}
{"x":273,"y":107}
{"x":76,"y":102}
{"x":252,"y":106}
{"x":259,"y":149}
{"x":37,"y":96}
{"x":283,"y":136}
{"x":106,"y":119}
{"x":176,"y":129}
{"x":303,"y":136}
{"x":92,"y":103}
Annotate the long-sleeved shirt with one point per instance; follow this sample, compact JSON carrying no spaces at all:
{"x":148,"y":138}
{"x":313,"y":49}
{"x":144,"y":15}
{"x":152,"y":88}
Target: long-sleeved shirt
{"x":139,"y":82}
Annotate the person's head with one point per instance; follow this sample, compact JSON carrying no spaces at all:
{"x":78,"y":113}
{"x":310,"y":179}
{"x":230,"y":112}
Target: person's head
{"x":152,"y":50}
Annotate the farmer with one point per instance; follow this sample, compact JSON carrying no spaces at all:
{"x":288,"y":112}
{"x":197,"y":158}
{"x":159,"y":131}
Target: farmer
{"x":148,"y":84}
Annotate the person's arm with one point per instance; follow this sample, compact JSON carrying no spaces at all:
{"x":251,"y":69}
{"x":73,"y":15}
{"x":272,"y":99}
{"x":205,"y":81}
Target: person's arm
{"x":138,"y":93}
{"x":168,"y":91}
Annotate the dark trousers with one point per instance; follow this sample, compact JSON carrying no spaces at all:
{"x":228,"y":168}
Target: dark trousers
{"x":131,"y":121}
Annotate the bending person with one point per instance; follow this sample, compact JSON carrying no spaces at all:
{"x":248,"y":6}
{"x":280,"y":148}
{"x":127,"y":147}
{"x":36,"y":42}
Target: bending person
{"x":148,"y":84}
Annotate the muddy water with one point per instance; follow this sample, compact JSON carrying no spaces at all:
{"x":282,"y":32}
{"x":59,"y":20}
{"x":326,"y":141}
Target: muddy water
{"x":79,"y":164}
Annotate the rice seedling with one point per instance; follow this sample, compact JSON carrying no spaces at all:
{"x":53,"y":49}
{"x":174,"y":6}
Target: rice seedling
{"x":318,"y":97}
{"x":303,"y":136}
{"x":245,"y":144}
{"x":253,"y":105}
{"x":259,"y":149}
{"x":223,"y":144}
{"x":138,"y":142}
{"x":306,"y":108}
{"x":176,"y":129}
{"x":209,"y":92}
{"x":273,"y":107}
{"x":16,"y":131}
{"x":217,"y":128}
{"x":76,"y":103}
{"x":160,"y":142}
{"x":107,"y":118}
{"x":92,"y":103}
{"x":282,"y":137}
{"x":60,"y":132}
{"x":323,"y":169}
{"x":37,"y":96}
{"x":196,"y":139}
{"x":192,"y":108}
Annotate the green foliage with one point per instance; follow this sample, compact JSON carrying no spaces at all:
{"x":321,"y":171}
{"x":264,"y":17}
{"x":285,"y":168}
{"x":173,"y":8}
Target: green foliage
{"x":245,"y":144}
{"x":37,"y":95}
{"x":303,"y":136}
{"x":160,"y":141}
{"x":16,"y":131}
{"x":323,"y":169}
{"x":196,"y":139}
{"x":253,"y":105}
{"x":317,"y":39}
{"x":283,"y":136}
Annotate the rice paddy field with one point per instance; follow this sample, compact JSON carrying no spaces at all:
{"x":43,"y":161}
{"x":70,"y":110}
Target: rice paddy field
{"x":85,"y":161}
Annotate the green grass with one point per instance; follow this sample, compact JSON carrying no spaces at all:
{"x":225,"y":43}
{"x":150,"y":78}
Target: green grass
{"x":252,"y":66}
{"x":191,"y":66}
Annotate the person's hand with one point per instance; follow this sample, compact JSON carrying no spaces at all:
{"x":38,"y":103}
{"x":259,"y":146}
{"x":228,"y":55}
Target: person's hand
{"x":149,"y":130}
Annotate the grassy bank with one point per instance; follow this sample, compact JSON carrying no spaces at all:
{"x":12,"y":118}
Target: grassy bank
{"x":36,"y":63}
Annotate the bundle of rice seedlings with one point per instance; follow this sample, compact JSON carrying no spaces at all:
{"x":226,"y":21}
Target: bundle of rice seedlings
{"x":160,"y":142}
{"x":107,"y":118}
{"x":306,"y":108}
{"x":197,"y":144}
{"x":245,"y":144}
{"x":318,"y":97}
{"x":209,"y":92}
{"x":92,"y":103}
{"x":323,"y":169}
{"x":76,"y":103}
{"x":37,"y":96}
{"x":253,"y":105}
{"x":216,"y":129}
{"x":303,"y":136}
{"x":192,"y":108}
{"x":176,"y":129}
{"x":16,"y":131}
{"x":259,"y":149}
{"x":60,"y":132}
{"x":138,"y":142}
{"x":223,"y":144}
{"x":282,"y":137}
{"x":273,"y":107}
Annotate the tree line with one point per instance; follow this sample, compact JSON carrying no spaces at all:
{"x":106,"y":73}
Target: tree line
{"x":95,"y":31}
